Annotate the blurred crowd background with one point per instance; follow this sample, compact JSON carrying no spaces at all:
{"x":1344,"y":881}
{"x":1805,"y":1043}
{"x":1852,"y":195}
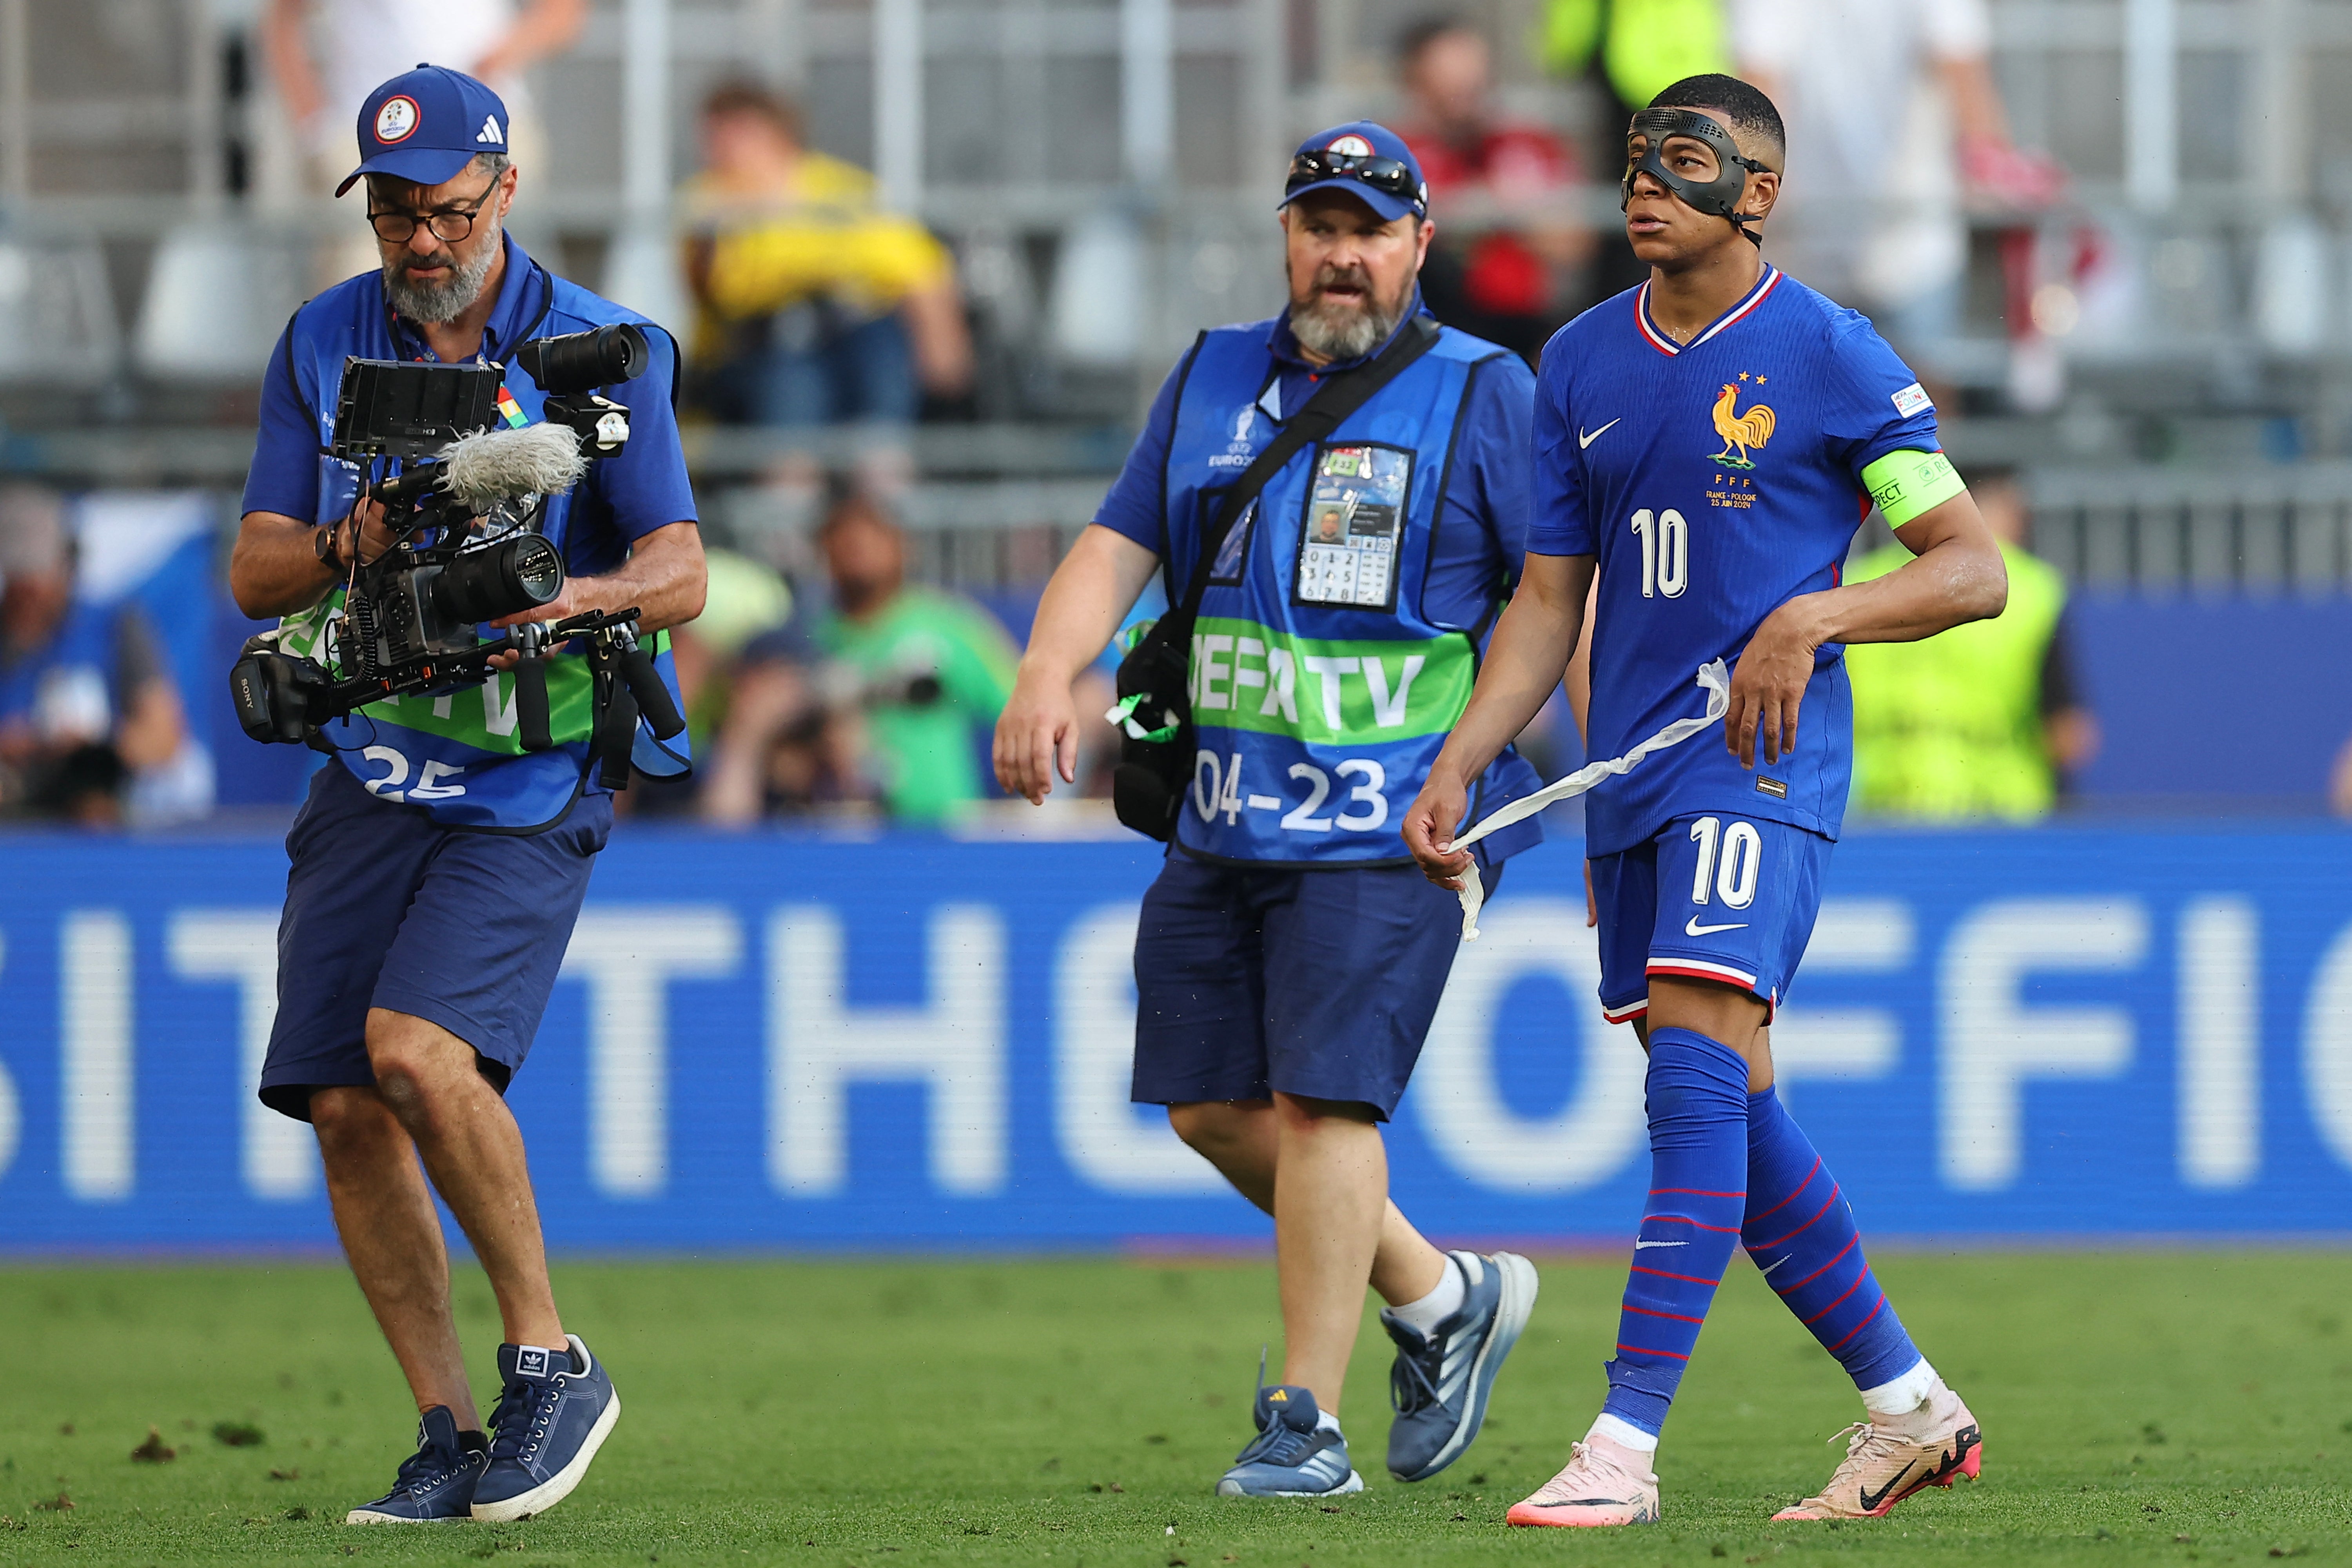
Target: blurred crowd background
{"x":929,"y":258}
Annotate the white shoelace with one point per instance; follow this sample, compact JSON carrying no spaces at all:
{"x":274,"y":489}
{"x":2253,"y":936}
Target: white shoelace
{"x":1716,"y":682}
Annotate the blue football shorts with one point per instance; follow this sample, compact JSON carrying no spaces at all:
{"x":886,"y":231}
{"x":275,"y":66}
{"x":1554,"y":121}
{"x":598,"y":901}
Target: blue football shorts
{"x":1321,"y":983}
{"x":386,"y":908}
{"x":1713,"y":896}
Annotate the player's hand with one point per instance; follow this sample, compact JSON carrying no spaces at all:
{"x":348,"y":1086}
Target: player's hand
{"x":1037,"y":737}
{"x":1768,"y":686}
{"x":1592,"y":905}
{"x":1429,"y":825}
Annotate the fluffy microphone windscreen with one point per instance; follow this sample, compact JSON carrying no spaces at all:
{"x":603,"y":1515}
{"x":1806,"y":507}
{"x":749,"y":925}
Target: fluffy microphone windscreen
{"x":496,"y":464}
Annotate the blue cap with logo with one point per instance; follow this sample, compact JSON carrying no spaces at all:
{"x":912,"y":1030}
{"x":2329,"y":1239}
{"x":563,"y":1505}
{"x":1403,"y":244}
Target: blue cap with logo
{"x":1368,"y":161}
{"x":425,"y":125}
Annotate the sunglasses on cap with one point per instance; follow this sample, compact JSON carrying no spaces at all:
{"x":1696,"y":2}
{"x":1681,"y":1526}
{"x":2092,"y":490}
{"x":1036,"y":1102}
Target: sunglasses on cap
{"x":1388,"y":175}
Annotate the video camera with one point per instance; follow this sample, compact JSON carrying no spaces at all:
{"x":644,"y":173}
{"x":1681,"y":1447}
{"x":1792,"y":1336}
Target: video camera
{"x":464,"y":512}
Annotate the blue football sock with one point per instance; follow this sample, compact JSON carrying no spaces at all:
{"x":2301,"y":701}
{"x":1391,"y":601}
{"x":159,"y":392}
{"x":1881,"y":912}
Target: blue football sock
{"x":1801,"y":1234}
{"x":1698,"y":1190}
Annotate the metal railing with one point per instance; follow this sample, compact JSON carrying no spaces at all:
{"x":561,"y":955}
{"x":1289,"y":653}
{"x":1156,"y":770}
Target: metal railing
{"x":2285,"y":529}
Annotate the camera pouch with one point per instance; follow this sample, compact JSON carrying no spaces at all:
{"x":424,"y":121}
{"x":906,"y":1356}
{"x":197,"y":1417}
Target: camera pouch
{"x":1155,"y":718}
{"x":1155,"y":706}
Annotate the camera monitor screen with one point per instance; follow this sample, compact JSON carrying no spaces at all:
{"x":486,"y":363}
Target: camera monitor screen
{"x":390,"y":409}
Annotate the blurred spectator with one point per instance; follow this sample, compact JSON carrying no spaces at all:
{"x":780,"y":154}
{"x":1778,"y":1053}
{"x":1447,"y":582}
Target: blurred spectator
{"x":1640,"y":47}
{"x":743,"y":600}
{"x":360,"y":44}
{"x":1985,"y":721}
{"x":326,"y":55}
{"x":746,"y":600}
{"x":817,"y":308}
{"x":1889,"y":104}
{"x":88,"y":704}
{"x":891,"y":694}
{"x":1510,"y":257}
{"x":1632,"y":50}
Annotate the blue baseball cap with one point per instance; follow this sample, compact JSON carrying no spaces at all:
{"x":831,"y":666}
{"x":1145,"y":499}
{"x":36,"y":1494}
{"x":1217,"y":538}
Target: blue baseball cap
{"x":1368,"y":161}
{"x":425,"y":125}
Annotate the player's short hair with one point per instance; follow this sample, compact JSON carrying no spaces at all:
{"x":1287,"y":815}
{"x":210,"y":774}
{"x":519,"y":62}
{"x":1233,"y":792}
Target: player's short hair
{"x":1752,"y":114}
{"x":1419,"y":35}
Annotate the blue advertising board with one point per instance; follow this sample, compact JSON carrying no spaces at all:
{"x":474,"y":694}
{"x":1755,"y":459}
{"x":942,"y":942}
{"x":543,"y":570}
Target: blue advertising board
{"x":791,"y":1041}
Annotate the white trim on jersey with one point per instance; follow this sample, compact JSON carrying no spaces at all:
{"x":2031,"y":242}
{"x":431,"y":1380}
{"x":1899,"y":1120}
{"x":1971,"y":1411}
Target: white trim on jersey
{"x":1667,"y":346}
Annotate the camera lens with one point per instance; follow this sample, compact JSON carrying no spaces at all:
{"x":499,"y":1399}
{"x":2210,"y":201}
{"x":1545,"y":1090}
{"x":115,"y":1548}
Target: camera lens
{"x":578,"y":362}
{"x":504,"y":579}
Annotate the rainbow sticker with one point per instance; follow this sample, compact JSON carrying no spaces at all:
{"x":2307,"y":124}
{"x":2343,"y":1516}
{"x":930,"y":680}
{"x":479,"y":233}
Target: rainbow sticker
{"x":510,"y":410}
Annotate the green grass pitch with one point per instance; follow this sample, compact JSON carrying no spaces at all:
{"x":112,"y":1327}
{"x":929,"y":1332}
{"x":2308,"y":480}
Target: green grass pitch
{"x":2152,"y":1408}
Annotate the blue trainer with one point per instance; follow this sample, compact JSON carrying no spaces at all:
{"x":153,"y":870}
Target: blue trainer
{"x":434,"y":1482}
{"x":1292,"y":1455}
{"x":551,"y":1420}
{"x":1440,"y":1382}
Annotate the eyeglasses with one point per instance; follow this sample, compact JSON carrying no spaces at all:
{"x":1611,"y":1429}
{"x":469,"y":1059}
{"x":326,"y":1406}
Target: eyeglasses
{"x":1385,"y":175}
{"x":449,"y":225}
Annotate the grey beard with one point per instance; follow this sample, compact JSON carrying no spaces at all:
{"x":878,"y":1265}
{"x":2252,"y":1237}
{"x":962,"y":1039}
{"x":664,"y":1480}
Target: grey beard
{"x":1344,"y":332}
{"x":438,"y":304}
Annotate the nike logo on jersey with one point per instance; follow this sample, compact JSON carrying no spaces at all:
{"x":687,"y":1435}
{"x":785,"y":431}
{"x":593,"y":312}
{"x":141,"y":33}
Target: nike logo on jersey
{"x":1639,"y":1244}
{"x":1692,"y":927}
{"x":1776,"y":1263}
{"x":1583,"y":440}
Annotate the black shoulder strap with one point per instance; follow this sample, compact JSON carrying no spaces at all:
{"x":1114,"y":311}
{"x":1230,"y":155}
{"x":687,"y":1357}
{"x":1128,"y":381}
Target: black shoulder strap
{"x":1337,"y":399}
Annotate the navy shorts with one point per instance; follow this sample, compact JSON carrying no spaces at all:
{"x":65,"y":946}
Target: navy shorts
{"x":386,"y":908}
{"x":1322,"y":983}
{"x":1712,"y":898}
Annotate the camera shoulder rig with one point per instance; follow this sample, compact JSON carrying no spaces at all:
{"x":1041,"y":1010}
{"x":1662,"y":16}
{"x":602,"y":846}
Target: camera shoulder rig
{"x":464,"y":515}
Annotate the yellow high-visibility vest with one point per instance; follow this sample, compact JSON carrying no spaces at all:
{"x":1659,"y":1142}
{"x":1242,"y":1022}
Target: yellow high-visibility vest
{"x":1951,"y":729}
{"x":1645,"y":46}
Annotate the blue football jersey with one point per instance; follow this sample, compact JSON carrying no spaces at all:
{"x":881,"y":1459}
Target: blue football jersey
{"x":1715,"y":480}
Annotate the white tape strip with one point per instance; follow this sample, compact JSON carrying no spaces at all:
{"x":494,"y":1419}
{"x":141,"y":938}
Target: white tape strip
{"x":1716,"y":682}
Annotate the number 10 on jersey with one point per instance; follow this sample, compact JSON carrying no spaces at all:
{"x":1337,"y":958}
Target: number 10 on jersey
{"x":1665,"y":553}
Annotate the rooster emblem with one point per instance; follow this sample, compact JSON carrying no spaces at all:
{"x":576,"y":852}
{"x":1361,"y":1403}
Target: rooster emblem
{"x":1739,"y":431}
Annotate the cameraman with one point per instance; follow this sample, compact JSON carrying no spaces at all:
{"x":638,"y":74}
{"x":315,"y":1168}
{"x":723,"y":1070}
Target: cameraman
{"x":437,"y":867}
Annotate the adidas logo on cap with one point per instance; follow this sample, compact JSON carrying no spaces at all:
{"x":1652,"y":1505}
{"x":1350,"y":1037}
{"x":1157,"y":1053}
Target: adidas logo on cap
{"x":490,"y":132}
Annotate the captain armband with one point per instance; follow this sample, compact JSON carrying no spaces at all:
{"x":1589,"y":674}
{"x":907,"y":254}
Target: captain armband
{"x":1906,"y":484}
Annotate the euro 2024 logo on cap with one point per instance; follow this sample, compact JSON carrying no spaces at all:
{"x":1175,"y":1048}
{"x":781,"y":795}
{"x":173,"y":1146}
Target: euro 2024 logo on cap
{"x":396,"y":121}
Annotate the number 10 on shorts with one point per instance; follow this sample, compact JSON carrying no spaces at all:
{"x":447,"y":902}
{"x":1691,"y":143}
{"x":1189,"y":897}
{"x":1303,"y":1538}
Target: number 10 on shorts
{"x":1729,"y":861}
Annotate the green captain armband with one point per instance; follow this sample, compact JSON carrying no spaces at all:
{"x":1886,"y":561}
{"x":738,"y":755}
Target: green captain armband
{"x":1907,"y":484}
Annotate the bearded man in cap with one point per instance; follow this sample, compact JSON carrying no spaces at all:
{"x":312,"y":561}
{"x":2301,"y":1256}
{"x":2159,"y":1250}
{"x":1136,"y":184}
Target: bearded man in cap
{"x":437,"y":865}
{"x":1286,"y":965}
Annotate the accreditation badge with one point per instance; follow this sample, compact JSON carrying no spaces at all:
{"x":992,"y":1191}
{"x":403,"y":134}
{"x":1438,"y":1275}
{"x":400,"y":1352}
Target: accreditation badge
{"x":1350,"y":538}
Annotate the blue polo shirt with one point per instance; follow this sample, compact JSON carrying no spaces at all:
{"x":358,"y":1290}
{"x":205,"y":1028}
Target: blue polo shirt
{"x":456,"y":756}
{"x":1482,"y":513}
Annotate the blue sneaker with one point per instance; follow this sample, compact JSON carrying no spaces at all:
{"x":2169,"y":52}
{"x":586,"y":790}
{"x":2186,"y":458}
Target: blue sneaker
{"x":1439,"y":1383}
{"x":434,"y":1482}
{"x":1292,"y":1455}
{"x":551,"y":1420}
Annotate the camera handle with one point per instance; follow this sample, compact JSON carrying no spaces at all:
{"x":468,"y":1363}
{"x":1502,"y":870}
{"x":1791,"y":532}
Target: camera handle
{"x":530,"y":641}
{"x":635,"y":666}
